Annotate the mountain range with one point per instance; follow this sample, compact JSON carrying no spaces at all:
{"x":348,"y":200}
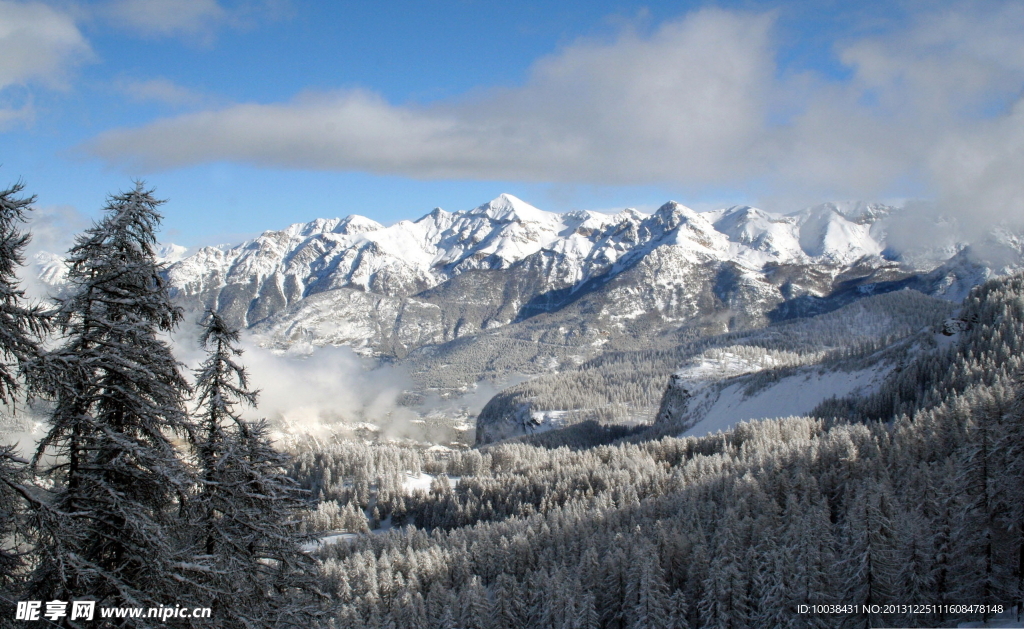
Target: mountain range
{"x":390,"y":290}
{"x":507,"y":291}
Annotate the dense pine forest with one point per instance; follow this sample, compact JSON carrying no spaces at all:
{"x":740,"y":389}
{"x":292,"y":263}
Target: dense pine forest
{"x":902,"y":508}
{"x":904,"y":516}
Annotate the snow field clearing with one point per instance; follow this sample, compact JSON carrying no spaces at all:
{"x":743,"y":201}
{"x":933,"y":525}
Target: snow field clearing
{"x":793,"y":396}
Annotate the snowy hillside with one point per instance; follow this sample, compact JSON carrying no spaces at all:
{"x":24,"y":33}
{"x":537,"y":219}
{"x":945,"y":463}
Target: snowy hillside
{"x":705,"y":404}
{"x":390,"y":290}
{"x":506,"y":291}
{"x":710,"y":383}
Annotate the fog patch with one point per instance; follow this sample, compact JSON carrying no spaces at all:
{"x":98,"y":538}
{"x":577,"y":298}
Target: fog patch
{"x":317,"y":391}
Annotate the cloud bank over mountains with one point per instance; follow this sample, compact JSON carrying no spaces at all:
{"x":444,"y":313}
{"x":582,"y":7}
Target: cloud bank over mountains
{"x":928,"y":106}
{"x":701,"y":101}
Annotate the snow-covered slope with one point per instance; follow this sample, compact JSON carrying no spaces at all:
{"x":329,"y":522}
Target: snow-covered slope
{"x":722,"y":386}
{"x":511,"y":290}
{"x":506,"y":261}
{"x":709,"y":405}
{"x":391,"y":290}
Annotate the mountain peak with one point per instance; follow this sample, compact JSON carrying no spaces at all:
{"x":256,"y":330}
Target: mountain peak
{"x":825,"y":232}
{"x":315,"y":226}
{"x":507,"y":208}
{"x":171,"y":253}
{"x":356,"y":224}
{"x":352,"y":224}
{"x":673,"y":214}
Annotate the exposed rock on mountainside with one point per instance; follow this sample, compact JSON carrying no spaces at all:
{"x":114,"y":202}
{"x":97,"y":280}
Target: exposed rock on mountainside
{"x":506,"y":291}
{"x":391,"y":290}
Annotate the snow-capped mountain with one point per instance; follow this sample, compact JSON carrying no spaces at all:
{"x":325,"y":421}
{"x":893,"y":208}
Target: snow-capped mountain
{"x":393,"y":289}
{"x":389,"y":290}
{"x":506,"y":289}
{"x":596,"y":277}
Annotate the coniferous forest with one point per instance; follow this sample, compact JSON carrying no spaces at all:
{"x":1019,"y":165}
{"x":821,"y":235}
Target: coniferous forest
{"x":888,"y":520}
{"x":147,"y":490}
{"x":902,"y":508}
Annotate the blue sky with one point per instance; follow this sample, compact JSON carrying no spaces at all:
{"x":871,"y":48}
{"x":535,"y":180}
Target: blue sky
{"x":251,"y":115}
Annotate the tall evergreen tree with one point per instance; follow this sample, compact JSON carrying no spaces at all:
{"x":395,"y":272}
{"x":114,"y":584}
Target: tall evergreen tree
{"x":980,"y":574}
{"x":509,"y":607}
{"x":20,"y":325}
{"x":652,"y":606}
{"x":221,"y":385}
{"x":247,"y":511}
{"x":678,"y":611}
{"x":12,"y":475}
{"x":20,"y":328}
{"x":118,"y":396}
{"x":1011,"y":481}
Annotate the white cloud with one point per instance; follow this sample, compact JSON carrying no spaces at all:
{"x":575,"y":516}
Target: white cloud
{"x":193,"y":18}
{"x":685,"y":99}
{"x":697,"y":102}
{"x":38,"y":44}
{"x":979,"y":173}
{"x":160,"y":90}
{"x":951,"y":88}
{"x":196,"y":20}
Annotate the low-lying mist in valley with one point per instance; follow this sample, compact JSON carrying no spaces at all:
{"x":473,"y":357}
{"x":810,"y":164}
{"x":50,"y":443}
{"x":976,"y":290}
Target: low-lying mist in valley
{"x":327,"y":393}
{"x":323,"y":394}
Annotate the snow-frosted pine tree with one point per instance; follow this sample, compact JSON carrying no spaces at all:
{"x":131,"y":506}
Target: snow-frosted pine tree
{"x":118,"y":394}
{"x":678,"y":611}
{"x":476,"y":605}
{"x":1012,"y":446}
{"x":651,"y":609}
{"x":247,"y":511}
{"x":20,"y":325}
{"x":12,"y":475}
{"x":975,"y":564}
{"x":20,"y":328}
{"x":221,"y":385}
{"x":509,"y":607}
